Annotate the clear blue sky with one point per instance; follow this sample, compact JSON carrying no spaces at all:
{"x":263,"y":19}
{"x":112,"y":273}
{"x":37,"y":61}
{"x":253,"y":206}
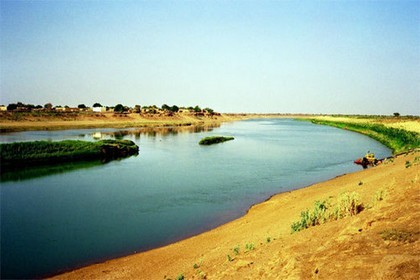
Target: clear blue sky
{"x":359,"y":57}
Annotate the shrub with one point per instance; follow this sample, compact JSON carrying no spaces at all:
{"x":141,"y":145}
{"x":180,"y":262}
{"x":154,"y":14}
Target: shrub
{"x":348,"y":204}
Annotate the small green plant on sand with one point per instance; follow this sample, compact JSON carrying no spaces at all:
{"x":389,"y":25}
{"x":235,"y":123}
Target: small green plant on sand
{"x":202,"y":275}
{"x":348,"y":204}
{"x":408,"y":164}
{"x":311,"y":218}
{"x":268,"y":240}
{"x":180,"y":277}
{"x":236,"y":250}
{"x":249,"y":247}
{"x":380,"y":195}
{"x":230,"y":259}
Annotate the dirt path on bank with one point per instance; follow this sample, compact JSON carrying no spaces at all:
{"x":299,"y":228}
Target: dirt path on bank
{"x":382,"y":242}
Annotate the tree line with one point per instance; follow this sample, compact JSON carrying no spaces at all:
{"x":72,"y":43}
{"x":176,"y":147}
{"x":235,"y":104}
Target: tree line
{"x":119,"y":108}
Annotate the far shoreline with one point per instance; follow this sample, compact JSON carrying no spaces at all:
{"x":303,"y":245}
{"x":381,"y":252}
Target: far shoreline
{"x":111,"y":120}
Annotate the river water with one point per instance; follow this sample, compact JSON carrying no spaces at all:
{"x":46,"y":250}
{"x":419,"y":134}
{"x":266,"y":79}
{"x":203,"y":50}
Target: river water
{"x":58,"y":218}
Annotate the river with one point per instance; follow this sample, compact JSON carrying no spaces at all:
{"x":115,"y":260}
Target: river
{"x":58,"y":218}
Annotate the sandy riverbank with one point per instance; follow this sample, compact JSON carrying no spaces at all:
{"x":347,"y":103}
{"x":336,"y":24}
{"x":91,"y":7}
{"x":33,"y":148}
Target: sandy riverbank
{"x":382,"y":242}
{"x":27,"y":121}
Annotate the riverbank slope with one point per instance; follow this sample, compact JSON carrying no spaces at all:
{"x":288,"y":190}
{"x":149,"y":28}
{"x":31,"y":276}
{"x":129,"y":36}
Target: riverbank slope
{"x":380,"y":242}
{"x":10,"y":122}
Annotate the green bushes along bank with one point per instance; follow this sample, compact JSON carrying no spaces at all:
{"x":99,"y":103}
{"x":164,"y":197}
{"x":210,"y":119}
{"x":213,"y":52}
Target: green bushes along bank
{"x":399,"y":140}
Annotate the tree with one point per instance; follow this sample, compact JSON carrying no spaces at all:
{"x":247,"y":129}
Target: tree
{"x":48,"y":106}
{"x":396,"y":114}
{"x":11,"y":107}
{"x":166,"y":107}
{"x":137,"y":109}
{"x":119,"y":108}
{"x":81,"y":106}
{"x":197,"y":109}
{"x":210,"y":111}
{"x":97,"y":105}
{"x":174,"y":108}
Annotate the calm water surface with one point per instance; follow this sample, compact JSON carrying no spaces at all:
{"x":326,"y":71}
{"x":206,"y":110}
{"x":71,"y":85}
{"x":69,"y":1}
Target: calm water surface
{"x":58,"y":218}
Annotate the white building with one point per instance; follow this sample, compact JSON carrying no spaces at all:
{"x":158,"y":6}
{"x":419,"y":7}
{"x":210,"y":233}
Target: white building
{"x":99,"y":109}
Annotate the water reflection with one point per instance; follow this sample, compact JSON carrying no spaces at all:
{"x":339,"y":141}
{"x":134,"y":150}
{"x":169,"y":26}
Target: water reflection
{"x":31,"y":172}
{"x":150,"y":132}
{"x":102,"y":133}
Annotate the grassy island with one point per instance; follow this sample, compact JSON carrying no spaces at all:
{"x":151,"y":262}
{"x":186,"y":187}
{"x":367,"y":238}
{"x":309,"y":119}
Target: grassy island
{"x":214,"y":140}
{"x":47,"y":152}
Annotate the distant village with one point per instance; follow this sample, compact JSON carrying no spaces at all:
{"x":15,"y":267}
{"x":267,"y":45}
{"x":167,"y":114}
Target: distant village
{"x":117,"y":109}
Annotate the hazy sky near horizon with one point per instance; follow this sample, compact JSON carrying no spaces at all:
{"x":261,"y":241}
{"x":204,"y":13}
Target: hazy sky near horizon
{"x":358,"y":57}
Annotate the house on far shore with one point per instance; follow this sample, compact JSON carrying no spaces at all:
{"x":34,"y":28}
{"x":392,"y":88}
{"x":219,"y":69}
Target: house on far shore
{"x":3,"y":108}
{"x":70,"y":109}
{"x":60,"y":109}
{"x":99,"y":109}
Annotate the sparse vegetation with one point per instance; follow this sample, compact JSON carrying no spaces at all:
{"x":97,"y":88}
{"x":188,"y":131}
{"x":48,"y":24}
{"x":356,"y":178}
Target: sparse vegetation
{"x":236,"y":250}
{"x":348,"y":204}
{"x":380,"y":195}
{"x":249,"y":247}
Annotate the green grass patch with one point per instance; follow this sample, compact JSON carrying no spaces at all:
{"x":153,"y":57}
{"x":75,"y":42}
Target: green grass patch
{"x":36,"y":152}
{"x":215,"y":140}
{"x":399,"y":140}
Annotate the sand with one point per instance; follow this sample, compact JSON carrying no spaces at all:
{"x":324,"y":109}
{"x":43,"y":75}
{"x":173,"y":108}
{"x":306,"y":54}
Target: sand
{"x":381,"y":242}
{"x":26,"y":121}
